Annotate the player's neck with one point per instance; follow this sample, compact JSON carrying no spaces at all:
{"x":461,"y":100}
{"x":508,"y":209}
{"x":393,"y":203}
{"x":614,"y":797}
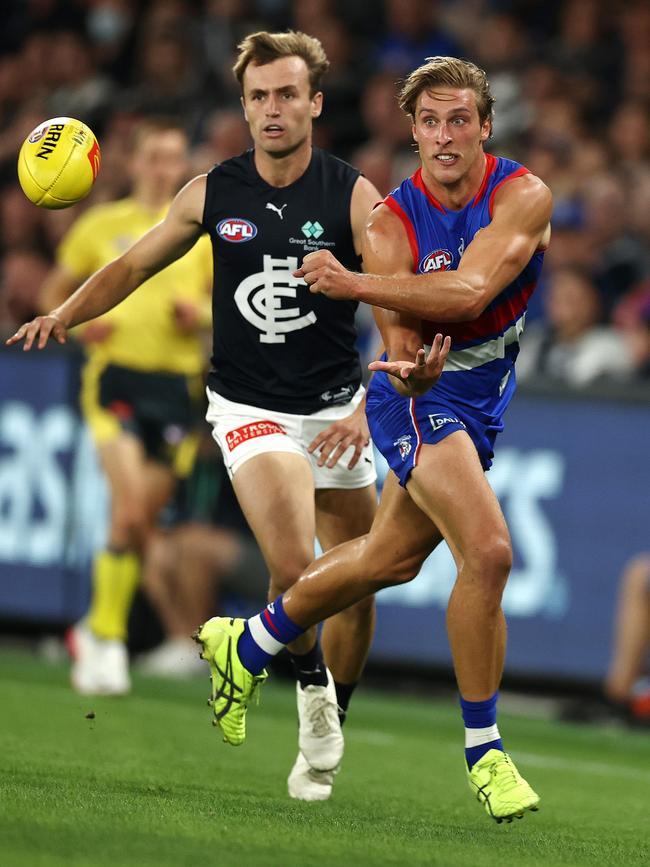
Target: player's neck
{"x":285,"y":170}
{"x":454,"y":197}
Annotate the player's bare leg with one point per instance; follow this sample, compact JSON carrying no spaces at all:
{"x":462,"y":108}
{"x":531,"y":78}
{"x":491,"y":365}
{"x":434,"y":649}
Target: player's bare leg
{"x":276,"y":493}
{"x":181,"y":575}
{"x":346,"y":637}
{"x":450,"y":486}
{"x":282,"y":517}
{"x":392,"y":552}
{"x":342,"y":515}
{"x":138,"y":490}
{"x":632,"y":631}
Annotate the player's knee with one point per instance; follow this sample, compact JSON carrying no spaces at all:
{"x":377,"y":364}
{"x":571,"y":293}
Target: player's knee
{"x":493,"y":561}
{"x":363,"y":611}
{"x":390,"y":567}
{"x":130,"y":526}
{"x":284,"y":575}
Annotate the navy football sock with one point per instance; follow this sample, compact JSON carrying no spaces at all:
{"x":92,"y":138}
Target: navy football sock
{"x":481,"y":732}
{"x":265,"y":635}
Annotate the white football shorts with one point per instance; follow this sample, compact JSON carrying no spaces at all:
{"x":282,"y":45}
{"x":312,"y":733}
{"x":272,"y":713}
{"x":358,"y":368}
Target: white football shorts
{"x":242,"y":431}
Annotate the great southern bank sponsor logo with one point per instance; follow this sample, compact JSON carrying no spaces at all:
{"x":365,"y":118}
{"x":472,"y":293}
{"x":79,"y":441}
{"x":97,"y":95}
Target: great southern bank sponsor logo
{"x":439,"y":260}
{"x":236,"y":230}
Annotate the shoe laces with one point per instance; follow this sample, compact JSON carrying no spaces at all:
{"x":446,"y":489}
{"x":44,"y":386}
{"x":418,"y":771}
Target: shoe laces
{"x":320,"y":715}
{"x":504,"y":773}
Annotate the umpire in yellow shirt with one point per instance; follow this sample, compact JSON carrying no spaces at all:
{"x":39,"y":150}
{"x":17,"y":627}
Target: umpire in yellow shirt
{"x":141,"y":387}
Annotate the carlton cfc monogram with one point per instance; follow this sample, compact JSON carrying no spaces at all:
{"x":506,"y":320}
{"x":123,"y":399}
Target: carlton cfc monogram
{"x":259,"y":300}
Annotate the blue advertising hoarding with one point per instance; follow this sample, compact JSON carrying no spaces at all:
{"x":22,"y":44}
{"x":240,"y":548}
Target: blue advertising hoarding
{"x":573,"y":479}
{"x":572,"y":475}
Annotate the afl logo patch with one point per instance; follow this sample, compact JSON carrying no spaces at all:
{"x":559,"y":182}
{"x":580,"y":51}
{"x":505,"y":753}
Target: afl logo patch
{"x":236,"y":230}
{"x":38,"y":133}
{"x":439,"y":260}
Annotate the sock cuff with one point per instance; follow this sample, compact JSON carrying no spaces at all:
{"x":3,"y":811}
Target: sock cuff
{"x":278,"y":622}
{"x":272,"y":629}
{"x":479,"y":714}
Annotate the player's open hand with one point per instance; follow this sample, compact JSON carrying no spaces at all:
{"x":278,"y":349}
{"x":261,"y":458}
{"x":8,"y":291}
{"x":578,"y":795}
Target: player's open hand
{"x":417,"y":377}
{"x":323,"y":273}
{"x":39,"y":330}
{"x":336,"y":439}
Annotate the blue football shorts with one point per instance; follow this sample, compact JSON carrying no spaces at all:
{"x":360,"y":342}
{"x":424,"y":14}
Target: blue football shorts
{"x":399,"y":426}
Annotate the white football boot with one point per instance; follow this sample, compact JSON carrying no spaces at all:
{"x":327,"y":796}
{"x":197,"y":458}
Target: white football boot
{"x":320,"y":738}
{"x":99,"y":666}
{"x":306,"y":784}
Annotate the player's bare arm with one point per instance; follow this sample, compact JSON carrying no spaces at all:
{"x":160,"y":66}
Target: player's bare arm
{"x":169,"y":240}
{"x":497,"y":255}
{"x":387,"y":251}
{"x":334,"y":441}
{"x":365,"y":196}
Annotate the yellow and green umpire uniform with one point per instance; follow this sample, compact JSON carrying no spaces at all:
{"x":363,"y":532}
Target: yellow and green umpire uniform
{"x":146,"y":375}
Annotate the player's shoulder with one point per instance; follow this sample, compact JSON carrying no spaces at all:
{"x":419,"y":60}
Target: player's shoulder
{"x":525,"y":191}
{"x":383,"y":220}
{"x":333,"y":165}
{"x":509,"y":175}
{"x":387,"y":236}
{"x":235,"y":167}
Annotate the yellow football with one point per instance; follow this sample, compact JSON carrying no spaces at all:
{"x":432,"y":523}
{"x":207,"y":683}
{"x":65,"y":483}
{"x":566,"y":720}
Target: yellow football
{"x":58,"y":163}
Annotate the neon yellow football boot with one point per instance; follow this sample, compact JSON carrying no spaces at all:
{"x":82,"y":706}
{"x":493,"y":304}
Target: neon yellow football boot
{"x":497,"y":783}
{"x":233,"y":686}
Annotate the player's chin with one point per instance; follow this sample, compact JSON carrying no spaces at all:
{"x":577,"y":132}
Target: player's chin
{"x":278,"y":150}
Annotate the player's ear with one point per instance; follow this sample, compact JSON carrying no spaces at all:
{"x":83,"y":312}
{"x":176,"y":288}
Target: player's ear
{"x":243,"y":105}
{"x":414,"y":132}
{"x":486,"y":129}
{"x":316,"y":104}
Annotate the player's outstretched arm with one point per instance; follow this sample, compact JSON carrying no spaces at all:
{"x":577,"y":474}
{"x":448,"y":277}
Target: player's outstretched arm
{"x":495,"y":257}
{"x":159,"y":247}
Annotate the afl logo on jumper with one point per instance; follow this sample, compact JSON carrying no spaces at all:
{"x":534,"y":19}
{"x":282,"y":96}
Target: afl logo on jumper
{"x":439,"y":260}
{"x":259,"y":300}
{"x":236,"y":230}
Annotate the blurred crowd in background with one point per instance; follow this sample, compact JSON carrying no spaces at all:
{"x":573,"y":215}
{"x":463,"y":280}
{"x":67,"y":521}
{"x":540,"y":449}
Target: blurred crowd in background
{"x":572,"y":82}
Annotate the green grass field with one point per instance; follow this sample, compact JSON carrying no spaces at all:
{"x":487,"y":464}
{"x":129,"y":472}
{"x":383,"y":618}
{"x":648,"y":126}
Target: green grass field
{"x":148,"y":782}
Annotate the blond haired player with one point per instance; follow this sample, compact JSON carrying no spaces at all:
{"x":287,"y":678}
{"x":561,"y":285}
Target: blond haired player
{"x":286,"y":401}
{"x":141,"y":387}
{"x":455,"y":250}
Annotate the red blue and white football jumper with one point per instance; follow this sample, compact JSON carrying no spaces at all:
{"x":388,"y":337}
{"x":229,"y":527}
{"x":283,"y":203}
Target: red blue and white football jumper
{"x":478,"y":380}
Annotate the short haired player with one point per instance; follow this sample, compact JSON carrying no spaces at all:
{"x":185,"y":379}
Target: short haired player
{"x":285,"y":396}
{"x":456,"y":249}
